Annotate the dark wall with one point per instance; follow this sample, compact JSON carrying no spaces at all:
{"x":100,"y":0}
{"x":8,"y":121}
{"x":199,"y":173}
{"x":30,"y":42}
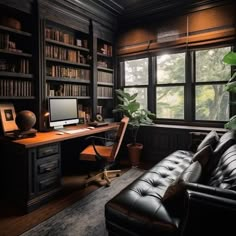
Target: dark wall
{"x":161,"y":140}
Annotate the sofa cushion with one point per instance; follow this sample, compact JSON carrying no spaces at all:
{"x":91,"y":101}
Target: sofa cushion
{"x":191,"y":174}
{"x":226,"y":140}
{"x":224,"y":174}
{"x":211,"y":139}
{"x":203,"y":155}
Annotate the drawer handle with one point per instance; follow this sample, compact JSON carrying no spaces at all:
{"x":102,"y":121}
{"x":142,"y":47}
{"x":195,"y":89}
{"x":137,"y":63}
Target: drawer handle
{"x":46,"y":151}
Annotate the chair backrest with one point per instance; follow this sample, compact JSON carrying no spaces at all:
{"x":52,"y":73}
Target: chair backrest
{"x":119,"y":137}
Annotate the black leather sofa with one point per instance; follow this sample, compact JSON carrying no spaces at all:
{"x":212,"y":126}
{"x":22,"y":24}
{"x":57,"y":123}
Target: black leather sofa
{"x":203,"y":201}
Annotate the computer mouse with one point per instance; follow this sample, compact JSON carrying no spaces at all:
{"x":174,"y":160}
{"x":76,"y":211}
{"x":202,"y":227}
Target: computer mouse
{"x":90,"y":127}
{"x":59,"y":133}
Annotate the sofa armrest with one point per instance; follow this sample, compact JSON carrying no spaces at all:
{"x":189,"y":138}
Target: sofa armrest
{"x":208,"y":209}
{"x":220,"y":192}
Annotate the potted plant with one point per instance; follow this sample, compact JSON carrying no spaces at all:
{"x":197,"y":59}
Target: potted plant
{"x":230,"y":58}
{"x":130,"y":107}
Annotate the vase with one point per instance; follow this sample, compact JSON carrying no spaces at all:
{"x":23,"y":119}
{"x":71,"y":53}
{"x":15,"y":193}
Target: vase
{"x":135,"y":151}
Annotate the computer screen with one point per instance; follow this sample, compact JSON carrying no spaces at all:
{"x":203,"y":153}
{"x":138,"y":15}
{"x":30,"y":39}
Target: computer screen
{"x":62,"y":111}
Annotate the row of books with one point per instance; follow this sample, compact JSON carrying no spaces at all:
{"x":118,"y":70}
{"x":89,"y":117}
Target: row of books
{"x":105,"y":49}
{"x":21,"y":65}
{"x":66,"y":90}
{"x":68,"y":72}
{"x":61,"y":36}
{"x":11,"y":88}
{"x":65,"y":54}
{"x":105,"y":77}
{"x":84,"y":112}
{"x":8,"y":44}
{"x":104,"y":91}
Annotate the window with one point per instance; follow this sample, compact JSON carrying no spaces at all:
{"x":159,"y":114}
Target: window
{"x":170,"y":86}
{"x":186,"y":86}
{"x":211,"y":101}
{"x":136,"y":79}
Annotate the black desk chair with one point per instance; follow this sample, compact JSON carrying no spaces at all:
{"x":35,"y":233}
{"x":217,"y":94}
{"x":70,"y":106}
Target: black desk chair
{"x":104,"y":156}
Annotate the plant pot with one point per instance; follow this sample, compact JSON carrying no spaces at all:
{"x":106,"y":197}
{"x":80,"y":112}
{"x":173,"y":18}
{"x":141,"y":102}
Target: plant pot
{"x":135,"y":153}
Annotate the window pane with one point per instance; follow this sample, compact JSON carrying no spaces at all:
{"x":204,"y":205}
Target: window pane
{"x":171,"y":68}
{"x":209,"y":65}
{"x":136,"y":72}
{"x":170,"y":102}
{"x":212,"y":103}
{"x":142,"y":95}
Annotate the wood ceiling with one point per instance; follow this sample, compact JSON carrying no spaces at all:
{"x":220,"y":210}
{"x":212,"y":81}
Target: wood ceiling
{"x":137,"y":10}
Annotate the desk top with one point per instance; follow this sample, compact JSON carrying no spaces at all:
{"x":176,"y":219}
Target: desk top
{"x":42,"y":138}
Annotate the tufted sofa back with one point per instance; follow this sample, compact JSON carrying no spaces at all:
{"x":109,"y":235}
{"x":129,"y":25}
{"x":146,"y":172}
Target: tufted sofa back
{"x":224,"y":175}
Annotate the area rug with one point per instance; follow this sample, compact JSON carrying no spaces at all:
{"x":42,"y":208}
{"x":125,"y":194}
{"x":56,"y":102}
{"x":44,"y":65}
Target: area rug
{"x":85,"y":217}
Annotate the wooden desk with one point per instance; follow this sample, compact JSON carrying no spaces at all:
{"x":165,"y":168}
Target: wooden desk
{"x":43,"y":138}
{"x":31,"y":173}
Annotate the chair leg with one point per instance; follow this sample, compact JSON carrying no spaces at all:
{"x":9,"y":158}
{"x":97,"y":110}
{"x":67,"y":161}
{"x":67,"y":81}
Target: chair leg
{"x":95,"y":177}
{"x":117,"y":172}
{"x":103,"y":175}
{"x":106,"y":178}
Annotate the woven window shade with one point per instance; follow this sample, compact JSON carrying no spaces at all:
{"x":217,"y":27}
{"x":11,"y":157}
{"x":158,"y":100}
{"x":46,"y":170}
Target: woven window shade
{"x":202,"y":27}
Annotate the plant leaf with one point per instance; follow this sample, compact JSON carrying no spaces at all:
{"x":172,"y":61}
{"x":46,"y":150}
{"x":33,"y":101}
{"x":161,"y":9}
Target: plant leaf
{"x":233,"y":77}
{"x":230,"y":58}
{"x":231,"y":87}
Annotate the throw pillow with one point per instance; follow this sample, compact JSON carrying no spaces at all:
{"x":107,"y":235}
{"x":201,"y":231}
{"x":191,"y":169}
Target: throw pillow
{"x":203,"y":155}
{"x":225,"y":141}
{"x":191,"y":174}
{"x":211,"y":139}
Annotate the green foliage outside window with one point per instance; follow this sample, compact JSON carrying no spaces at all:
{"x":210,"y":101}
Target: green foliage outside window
{"x":169,"y":97}
{"x":210,"y":99}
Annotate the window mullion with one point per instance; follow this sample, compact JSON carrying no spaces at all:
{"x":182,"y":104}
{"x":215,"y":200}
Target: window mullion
{"x":189,"y":89}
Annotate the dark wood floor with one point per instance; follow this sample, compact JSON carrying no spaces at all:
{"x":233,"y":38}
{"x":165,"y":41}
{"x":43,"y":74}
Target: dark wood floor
{"x":13,"y":222}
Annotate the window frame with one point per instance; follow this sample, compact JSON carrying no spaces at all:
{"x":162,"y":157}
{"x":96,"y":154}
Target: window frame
{"x":189,"y":85}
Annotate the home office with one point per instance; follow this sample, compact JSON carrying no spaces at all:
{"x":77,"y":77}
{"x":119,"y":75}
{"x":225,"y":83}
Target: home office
{"x":170,"y":55}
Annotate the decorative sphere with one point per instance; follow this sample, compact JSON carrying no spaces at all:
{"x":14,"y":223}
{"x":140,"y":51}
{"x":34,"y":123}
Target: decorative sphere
{"x":25,"y":120}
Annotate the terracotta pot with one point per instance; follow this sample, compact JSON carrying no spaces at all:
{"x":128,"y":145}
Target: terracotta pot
{"x":135,"y":153}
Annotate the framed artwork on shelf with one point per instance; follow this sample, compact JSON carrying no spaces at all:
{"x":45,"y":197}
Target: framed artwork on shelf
{"x":8,"y":116}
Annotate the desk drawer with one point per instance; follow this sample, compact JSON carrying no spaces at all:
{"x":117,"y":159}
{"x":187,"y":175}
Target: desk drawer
{"x":48,"y":150}
{"x":48,"y":183}
{"x":48,"y":167}
{"x":48,"y":164}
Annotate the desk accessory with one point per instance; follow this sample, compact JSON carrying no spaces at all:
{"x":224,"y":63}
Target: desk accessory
{"x":8,"y":116}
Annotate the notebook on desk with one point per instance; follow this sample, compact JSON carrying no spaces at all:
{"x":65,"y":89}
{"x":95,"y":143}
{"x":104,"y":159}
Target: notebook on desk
{"x":97,"y":124}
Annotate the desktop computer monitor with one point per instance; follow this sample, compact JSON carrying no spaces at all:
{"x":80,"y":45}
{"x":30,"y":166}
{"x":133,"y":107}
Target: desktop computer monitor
{"x":62,"y":111}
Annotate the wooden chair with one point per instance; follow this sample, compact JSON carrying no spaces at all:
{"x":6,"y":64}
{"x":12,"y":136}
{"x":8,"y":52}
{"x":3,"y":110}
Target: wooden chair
{"x":104,"y":156}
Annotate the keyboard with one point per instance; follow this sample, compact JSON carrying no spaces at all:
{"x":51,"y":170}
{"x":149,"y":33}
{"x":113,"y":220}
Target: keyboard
{"x":75,"y":131}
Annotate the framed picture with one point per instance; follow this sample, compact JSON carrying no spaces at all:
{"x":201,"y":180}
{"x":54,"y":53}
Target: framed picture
{"x":8,"y":116}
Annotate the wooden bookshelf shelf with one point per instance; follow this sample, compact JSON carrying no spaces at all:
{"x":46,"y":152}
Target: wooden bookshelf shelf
{"x":67,"y":45}
{"x":68,"y":62}
{"x":105,"y":69}
{"x":68,"y":80}
{"x":13,"y":74}
{"x":17,"y":97}
{"x":105,"y":84}
{"x":22,"y":54}
{"x":19,"y":32}
{"x":103,"y":55}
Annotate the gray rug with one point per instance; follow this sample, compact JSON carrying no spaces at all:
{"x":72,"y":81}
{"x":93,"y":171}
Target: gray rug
{"x":85,"y":217}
